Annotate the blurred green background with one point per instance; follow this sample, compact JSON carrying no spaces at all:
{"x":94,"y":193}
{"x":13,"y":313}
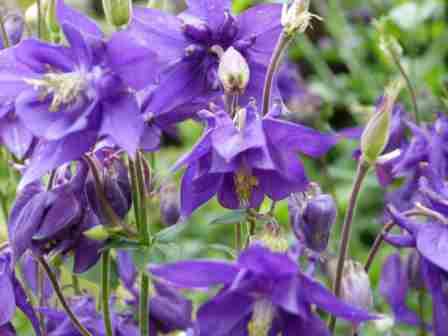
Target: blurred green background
{"x":340,"y":61}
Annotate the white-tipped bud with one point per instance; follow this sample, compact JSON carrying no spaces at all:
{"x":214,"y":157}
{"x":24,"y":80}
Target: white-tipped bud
{"x":377,"y":131}
{"x":296,"y":16}
{"x":118,"y":12}
{"x":233,"y":72}
{"x":384,"y":324}
{"x":355,"y":285}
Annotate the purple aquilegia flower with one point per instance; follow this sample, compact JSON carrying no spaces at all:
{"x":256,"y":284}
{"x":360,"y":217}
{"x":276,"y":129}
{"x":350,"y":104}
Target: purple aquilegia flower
{"x":54,"y":221}
{"x":394,"y":287}
{"x":245,"y":160}
{"x":186,"y":49}
{"x":13,"y":296}
{"x":264,"y":294}
{"x":430,"y":239}
{"x":169,"y":311}
{"x":71,"y":97}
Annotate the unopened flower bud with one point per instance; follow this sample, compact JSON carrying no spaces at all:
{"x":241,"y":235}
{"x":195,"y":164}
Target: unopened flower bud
{"x":388,"y":43}
{"x":118,"y":12}
{"x":383,"y":324}
{"x":414,"y":273}
{"x":98,"y":233}
{"x":14,"y":26}
{"x":314,"y":221}
{"x":169,"y":204}
{"x":272,"y":238}
{"x":355,"y":285}
{"x":296,"y":16}
{"x":377,"y":131}
{"x":233,"y":72}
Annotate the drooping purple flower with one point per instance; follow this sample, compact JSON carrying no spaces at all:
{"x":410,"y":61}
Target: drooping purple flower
{"x":169,"y":310}
{"x":394,"y":287}
{"x":70,"y":97}
{"x":13,"y":296}
{"x":186,"y":50}
{"x":264,"y":294}
{"x":430,"y":239}
{"x":54,"y":220}
{"x":243,"y":161}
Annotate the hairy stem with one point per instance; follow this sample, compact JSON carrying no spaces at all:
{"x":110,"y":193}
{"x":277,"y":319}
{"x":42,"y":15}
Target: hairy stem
{"x":144,"y":305}
{"x":361,"y":173}
{"x":54,"y":282}
{"x":276,"y":58}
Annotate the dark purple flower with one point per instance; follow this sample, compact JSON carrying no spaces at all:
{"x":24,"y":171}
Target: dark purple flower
{"x":312,"y":219}
{"x":71,"y":97}
{"x":186,"y":49}
{"x":394,"y":287}
{"x":13,"y":296}
{"x":430,"y":239}
{"x":264,"y":294}
{"x":169,"y":204}
{"x":245,"y":160}
{"x":54,"y":221}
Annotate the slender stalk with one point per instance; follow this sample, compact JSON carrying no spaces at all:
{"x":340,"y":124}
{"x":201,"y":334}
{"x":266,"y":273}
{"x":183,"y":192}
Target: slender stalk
{"x":145,"y":236}
{"x":421,"y":312}
{"x":238,"y":236}
{"x":54,"y":282}
{"x":409,"y":85}
{"x":135,"y":193}
{"x":5,"y":37}
{"x":41,"y":297}
{"x":282,"y":44}
{"x":361,"y":173}
{"x":105,"y":290}
{"x":39,"y":18}
{"x":144,"y":306}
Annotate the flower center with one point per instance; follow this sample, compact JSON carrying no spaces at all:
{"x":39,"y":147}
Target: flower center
{"x":262,"y":317}
{"x":244,"y":185}
{"x":64,"y":87}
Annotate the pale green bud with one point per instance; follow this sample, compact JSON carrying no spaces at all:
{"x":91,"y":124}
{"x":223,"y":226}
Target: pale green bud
{"x":296,"y":16}
{"x":233,"y":72}
{"x":118,"y":12}
{"x":377,"y":131}
{"x":355,"y":285}
{"x":389,"y":45}
{"x":98,"y":232}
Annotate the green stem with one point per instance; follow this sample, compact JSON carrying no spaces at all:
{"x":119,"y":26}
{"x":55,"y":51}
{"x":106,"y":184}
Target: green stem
{"x":41,"y":297}
{"x":144,"y":305}
{"x":409,"y":85}
{"x":75,"y":283}
{"x":105,"y":289}
{"x":361,"y":173}
{"x":282,"y":44}
{"x":421,"y":312}
{"x":39,"y":19}
{"x":135,"y":193}
{"x":54,"y":282}
{"x":5,"y":37}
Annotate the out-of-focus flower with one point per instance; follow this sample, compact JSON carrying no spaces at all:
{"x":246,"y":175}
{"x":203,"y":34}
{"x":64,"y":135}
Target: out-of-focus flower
{"x":14,"y":25}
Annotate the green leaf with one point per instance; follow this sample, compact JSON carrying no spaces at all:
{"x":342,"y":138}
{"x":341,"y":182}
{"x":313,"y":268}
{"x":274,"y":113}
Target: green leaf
{"x":224,"y":249}
{"x":171,"y":233}
{"x":231,"y":217}
{"x":122,"y":243}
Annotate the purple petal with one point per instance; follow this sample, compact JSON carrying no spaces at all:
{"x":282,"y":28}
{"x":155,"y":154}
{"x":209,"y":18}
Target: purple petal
{"x":324,"y":299}
{"x":29,"y":268}
{"x":66,"y":14}
{"x":126,"y":269}
{"x":7,"y":330}
{"x":23,"y":303}
{"x":50,"y":155}
{"x":15,"y":136}
{"x":432,"y":243}
{"x":79,"y":47}
{"x":190,"y":274}
{"x":220,"y":315}
{"x":8,"y":307}
{"x":122,"y":122}
{"x":299,"y":138}
{"x":201,"y":148}
{"x":400,"y":240}
{"x":211,"y":12}
{"x":313,"y":325}
{"x":261,"y":260}
{"x":394,"y":281}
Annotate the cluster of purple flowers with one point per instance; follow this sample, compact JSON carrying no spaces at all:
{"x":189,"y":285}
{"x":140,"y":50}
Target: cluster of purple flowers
{"x":71,"y":112}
